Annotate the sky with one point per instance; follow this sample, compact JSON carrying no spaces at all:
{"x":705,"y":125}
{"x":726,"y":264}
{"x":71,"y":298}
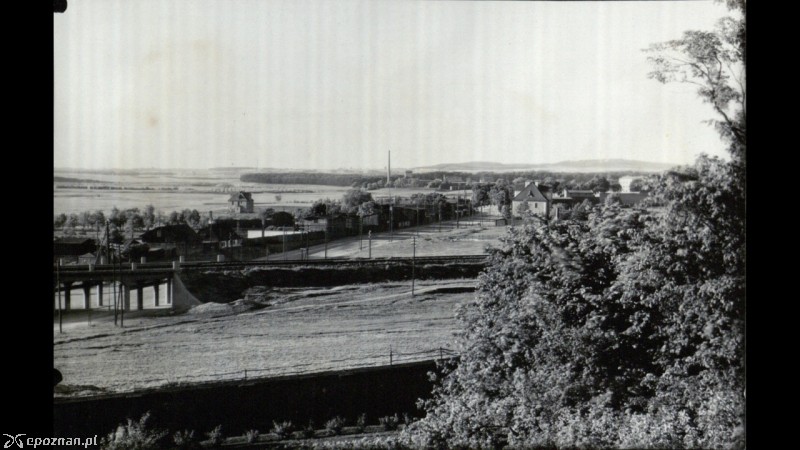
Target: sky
{"x":337,"y":84}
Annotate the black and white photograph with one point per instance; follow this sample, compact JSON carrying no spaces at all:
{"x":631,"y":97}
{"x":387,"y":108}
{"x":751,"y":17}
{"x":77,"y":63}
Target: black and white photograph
{"x":398,"y":224}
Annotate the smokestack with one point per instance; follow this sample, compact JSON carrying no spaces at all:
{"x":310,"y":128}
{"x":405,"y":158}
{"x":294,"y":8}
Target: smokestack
{"x":389,"y":169}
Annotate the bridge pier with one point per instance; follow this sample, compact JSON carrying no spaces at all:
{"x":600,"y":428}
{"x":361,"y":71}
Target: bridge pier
{"x":87,"y":295}
{"x":126,"y":296}
{"x":169,"y":291}
{"x":67,"y":295}
{"x":100,"y":294}
{"x":139,"y":297}
{"x":155,"y":290}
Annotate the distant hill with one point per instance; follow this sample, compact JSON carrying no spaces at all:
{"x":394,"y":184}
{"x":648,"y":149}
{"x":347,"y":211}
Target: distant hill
{"x":586,"y":165}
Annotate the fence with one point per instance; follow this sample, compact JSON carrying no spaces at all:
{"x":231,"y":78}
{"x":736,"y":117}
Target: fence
{"x":390,"y":357}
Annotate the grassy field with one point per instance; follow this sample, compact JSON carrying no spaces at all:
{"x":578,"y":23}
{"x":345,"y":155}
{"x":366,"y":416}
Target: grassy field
{"x":201,"y":191}
{"x":288,"y":331}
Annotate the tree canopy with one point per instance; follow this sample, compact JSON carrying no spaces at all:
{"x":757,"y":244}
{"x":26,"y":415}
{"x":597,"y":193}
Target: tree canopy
{"x":624,"y":330}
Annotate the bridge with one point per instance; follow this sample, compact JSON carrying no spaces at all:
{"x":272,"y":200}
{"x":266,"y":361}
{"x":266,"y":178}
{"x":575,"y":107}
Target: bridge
{"x":136,"y":277}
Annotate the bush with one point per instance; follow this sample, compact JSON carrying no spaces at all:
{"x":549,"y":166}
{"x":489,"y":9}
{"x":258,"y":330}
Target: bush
{"x":335,"y":425}
{"x":251,"y":436}
{"x":283,"y":429}
{"x":133,"y":435}
{"x":309,"y":429}
{"x":389,"y":422}
{"x":361,"y":423}
{"x":215,"y":436}
{"x":185,"y":439}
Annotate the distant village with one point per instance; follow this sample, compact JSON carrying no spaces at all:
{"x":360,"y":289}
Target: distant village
{"x":246,"y":233}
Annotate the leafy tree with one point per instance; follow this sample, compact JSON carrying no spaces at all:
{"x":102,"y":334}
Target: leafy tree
{"x":72,"y":221}
{"x":523,"y":209}
{"x":480,"y":194}
{"x":192,"y":217}
{"x":353,"y":199}
{"x":116,"y":217}
{"x":149,"y":216}
{"x":60,"y":220}
{"x":366,"y":209}
{"x":714,"y":61}
{"x":624,"y":330}
{"x":501,"y":194}
{"x":282,"y":219}
{"x":98,"y":219}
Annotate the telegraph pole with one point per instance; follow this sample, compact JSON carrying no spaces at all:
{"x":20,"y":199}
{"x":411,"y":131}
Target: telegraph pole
{"x":113,"y":281}
{"x":413,"y":259}
{"x":121,"y":310}
{"x":58,"y":290}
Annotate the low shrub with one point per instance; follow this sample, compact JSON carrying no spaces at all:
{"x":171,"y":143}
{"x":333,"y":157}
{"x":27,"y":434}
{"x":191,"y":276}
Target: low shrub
{"x":335,"y":425}
{"x":215,"y":436}
{"x":251,"y":436}
{"x":283,"y":429}
{"x":133,"y":435}
{"x":185,"y":440}
{"x":309,"y":430}
{"x":361,"y":423}
{"x":390,"y":422}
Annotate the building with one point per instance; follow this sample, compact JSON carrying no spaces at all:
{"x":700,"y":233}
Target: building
{"x":538,"y":196}
{"x":170,"y":234}
{"x":626,"y":199}
{"x":70,"y":249}
{"x":220,"y":234}
{"x":626,"y":181}
{"x":240,"y":203}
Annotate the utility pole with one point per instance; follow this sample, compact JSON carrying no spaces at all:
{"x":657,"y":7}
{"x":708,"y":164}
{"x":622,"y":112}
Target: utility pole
{"x":284,"y":243}
{"x":360,"y":232}
{"x":413,"y":259}
{"x":122,"y":310}
{"x":417,"y":214}
{"x":440,"y":216}
{"x":391,"y":220}
{"x":58,"y":291}
{"x":114,"y":286}
{"x":369,"y":236}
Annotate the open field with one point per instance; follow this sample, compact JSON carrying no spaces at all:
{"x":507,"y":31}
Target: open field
{"x":470,"y":238}
{"x":286,"y":331}
{"x":203,"y":190}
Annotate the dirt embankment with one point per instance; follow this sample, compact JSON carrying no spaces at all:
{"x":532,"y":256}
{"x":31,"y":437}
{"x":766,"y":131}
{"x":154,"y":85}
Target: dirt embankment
{"x":224,"y":286}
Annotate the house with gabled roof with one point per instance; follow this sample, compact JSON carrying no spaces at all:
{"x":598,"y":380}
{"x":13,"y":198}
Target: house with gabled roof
{"x":538,"y":196}
{"x":241,"y":203}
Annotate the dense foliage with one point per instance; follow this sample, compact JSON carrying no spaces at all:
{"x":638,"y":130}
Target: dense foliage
{"x":624,"y":330}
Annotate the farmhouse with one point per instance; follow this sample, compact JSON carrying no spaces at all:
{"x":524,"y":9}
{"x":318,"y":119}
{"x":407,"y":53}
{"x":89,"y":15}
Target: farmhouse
{"x":70,"y":249}
{"x":167,"y":234}
{"x":241,"y":203}
{"x":222,"y":234}
{"x":538,"y":196}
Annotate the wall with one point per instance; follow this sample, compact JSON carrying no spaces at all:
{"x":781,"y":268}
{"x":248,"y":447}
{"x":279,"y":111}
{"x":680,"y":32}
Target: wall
{"x":244,"y":405}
